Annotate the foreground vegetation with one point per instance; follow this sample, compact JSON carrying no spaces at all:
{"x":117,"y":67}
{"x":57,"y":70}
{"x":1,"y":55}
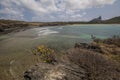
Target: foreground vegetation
{"x":44,"y":54}
{"x":99,"y":60}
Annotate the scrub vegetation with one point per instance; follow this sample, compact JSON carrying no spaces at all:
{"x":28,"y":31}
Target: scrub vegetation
{"x":45,"y":54}
{"x":99,"y":60}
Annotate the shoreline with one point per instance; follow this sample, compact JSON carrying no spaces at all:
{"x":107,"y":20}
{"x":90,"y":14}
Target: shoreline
{"x":19,"y":29}
{"x":8,"y":26}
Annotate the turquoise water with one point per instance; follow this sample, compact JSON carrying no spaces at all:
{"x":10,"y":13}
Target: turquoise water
{"x":57,"y":37}
{"x":66,"y":36}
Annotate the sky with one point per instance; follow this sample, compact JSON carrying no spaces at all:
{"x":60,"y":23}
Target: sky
{"x":58,"y":10}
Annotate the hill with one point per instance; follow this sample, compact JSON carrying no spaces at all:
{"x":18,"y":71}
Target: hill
{"x":98,"y":20}
{"x":7,"y":26}
{"x":113,"y":20}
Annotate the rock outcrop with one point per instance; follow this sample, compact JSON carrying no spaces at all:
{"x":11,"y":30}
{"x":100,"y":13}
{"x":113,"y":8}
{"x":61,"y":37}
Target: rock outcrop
{"x":60,"y":71}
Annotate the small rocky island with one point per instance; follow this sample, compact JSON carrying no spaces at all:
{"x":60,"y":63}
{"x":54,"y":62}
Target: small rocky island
{"x":99,"y":60}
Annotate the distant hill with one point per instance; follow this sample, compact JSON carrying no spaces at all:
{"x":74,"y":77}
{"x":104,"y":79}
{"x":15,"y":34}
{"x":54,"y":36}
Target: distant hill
{"x":113,"y":20}
{"x":98,"y":20}
{"x":7,"y":26}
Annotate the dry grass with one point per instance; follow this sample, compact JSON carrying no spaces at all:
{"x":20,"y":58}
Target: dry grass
{"x":115,"y":40}
{"x":96,"y":65}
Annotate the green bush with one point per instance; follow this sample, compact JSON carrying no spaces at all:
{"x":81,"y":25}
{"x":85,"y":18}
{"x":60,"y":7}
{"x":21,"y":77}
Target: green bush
{"x":45,"y":54}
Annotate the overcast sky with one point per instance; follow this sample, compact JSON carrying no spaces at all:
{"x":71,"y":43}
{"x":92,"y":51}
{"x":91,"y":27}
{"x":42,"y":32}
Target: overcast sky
{"x":58,"y":10}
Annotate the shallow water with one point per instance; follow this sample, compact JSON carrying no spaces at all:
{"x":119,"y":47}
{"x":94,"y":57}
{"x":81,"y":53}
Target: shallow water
{"x":18,"y":45}
{"x":61,"y":37}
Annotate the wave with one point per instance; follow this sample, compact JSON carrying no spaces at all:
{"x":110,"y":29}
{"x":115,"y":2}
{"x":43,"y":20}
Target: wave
{"x":70,"y":36}
{"x":45,"y":31}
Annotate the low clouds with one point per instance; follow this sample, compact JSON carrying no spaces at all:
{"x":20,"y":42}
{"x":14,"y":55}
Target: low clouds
{"x":48,"y":10}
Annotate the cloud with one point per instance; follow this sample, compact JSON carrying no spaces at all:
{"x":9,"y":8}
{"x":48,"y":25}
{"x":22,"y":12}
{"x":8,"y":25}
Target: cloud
{"x":48,"y":10}
{"x":10,"y":9}
{"x":84,"y":4}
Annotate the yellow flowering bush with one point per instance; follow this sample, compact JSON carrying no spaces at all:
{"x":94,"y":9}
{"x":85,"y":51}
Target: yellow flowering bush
{"x":46,"y":54}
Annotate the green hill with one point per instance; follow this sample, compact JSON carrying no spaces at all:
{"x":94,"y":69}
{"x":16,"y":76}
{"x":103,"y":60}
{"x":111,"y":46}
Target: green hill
{"x":113,"y":20}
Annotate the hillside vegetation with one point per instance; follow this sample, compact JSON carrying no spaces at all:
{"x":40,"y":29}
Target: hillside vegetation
{"x":113,"y":20}
{"x":7,"y":26}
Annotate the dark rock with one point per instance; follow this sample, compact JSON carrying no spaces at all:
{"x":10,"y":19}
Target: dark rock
{"x":1,"y":29}
{"x":81,"y":45}
{"x":27,"y":75}
{"x":88,"y":47}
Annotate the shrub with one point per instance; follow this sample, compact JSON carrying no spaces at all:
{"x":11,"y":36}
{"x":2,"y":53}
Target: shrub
{"x":45,"y":54}
{"x":97,"y":66}
{"x":115,"y":40}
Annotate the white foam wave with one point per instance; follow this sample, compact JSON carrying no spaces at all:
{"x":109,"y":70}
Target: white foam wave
{"x":45,"y":31}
